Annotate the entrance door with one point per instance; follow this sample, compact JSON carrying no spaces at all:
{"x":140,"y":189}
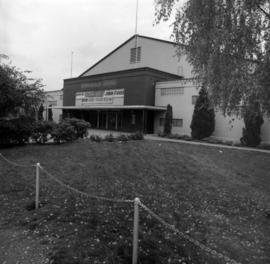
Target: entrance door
{"x":112,"y":116}
{"x":114,"y":120}
{"x":102,"y":119}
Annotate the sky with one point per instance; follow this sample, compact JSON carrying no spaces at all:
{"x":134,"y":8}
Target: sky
{"x":39,"y":35}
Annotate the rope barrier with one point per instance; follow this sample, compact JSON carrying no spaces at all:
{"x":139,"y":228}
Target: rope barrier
{"x":16,"y":164}
{"x":188,"y":238}
{"x":154,"y":215}
{"x":84,"y":193}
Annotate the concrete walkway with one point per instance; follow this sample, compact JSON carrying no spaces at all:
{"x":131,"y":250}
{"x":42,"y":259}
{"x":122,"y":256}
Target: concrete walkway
{"x":157,"y":138}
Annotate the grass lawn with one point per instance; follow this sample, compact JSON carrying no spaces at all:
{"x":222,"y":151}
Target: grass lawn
{"x":219,"y":197}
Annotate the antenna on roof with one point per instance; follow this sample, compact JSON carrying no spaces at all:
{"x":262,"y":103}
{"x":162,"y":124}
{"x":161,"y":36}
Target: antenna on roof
{"x":136,"y":23}
{"x":136,"y":20}
{"x":71,"y":62}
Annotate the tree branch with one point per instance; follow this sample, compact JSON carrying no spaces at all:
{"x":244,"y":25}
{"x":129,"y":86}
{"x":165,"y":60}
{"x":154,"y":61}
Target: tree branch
{"x":267,"y":14}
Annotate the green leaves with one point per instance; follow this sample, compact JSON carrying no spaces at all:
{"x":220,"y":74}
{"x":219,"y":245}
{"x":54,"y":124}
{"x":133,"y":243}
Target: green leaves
{"x":227,"y":43}
{"x":18,"y":92}
{"x":203,"y":119}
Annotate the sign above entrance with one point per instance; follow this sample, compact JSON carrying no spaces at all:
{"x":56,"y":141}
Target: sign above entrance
{"x":105,"y":97}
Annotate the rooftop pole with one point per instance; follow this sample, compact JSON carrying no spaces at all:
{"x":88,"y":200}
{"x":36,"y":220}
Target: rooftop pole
{"x":136,"y":23}
{"x":71,"y":64}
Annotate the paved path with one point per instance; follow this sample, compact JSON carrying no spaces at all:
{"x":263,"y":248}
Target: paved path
{"x":157,"y":138}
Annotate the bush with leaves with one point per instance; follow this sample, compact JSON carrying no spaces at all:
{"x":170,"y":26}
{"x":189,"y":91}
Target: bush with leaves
{"x":42,"y":131}
{"x":122,"y":138}
{"x":18,"y":92}
{"x":203,"y":119}
{"x":96,"y":138}
{"x":63,"y":132}
{"x":15,"y":131}
{"x":253,"y":121}
{"x":80,"y":126}
{"x":109,"y":138}
{"x":136,"y":136}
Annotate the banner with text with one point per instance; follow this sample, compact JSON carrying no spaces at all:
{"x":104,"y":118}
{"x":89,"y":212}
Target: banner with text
{"x":99,"y":97}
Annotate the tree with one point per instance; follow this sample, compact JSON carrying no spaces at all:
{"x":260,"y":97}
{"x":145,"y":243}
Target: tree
{"x":40,"y":112}
{"x":253,"y":121}
{"x":18,"y":93}
{"x":228,"y":44}
{"x":168,"y":120}
{"x":203,"y":119}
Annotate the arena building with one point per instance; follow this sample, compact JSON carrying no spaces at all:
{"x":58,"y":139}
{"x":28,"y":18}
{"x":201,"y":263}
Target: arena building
{"x":129,"y":89}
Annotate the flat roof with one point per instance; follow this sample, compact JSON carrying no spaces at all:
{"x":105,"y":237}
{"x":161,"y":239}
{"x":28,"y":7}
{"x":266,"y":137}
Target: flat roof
{"x":111,"y":107}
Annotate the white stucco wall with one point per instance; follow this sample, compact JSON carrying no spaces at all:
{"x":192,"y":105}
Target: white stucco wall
{"x":182,"y":106}
{"x":53,"y":96}
{"x":230,"y":128}
{"x":154,"y":54}
{"x":226,"y":128}
{"x":265,"y":131}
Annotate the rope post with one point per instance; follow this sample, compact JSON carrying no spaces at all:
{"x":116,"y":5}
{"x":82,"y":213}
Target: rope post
{"x":37,"y":185}
{"x":135,"y":231}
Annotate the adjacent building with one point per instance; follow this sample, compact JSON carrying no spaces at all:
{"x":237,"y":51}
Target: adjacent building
{"x":54,"y":101}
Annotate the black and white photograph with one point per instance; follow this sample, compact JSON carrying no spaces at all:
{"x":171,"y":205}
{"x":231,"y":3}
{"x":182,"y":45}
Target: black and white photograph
{"x":134,"y":132}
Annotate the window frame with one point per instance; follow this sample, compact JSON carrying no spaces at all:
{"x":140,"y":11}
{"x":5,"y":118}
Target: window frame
{"x":171,"y":91}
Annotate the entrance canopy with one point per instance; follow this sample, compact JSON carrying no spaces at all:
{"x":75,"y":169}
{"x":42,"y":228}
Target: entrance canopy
{"x":129,"y":118}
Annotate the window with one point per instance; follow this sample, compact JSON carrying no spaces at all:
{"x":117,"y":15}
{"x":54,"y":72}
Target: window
{"x":194,"y":99}
{"x":135,"y":55}
{"x":175,"y":122}
{"x":171,"y":91}
{"x":61,"y":97}
{"x":52,"y":103}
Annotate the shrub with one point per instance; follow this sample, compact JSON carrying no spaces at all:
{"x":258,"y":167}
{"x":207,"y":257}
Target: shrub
{"x":15,"y":131}
{"x":203,"y":119}
{"x":96,"y":138}
{"x":136,"y":136}
{"x":64,"y":132}
{"x":168,"y":120}
{"x":109,"y":138}
{"x":253,"y":121}
{"x":42,"y":131}
{"x":122,"y":138}
{"x":79,"y":125}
